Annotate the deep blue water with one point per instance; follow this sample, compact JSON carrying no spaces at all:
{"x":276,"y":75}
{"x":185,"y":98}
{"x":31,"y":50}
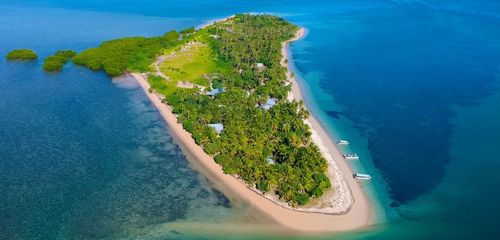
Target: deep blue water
{"x":412,"y":84}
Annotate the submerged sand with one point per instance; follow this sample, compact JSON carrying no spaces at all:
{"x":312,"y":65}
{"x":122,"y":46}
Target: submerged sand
{"x":344,"y":208}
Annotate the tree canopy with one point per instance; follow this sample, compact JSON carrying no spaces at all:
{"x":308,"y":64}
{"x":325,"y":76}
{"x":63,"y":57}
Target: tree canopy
{"x":171,"y":36}
{"x":271,"y":149}
{"x":22,"y":54}
{"x":252,"y":135}
{"x":57,"y":61}
{"x":115,"y":56}
{"x":188,"y":30}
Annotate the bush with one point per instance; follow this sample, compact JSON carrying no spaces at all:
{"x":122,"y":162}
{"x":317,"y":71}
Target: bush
{"x":53,"y":63}
{"x":171,"y":36}
{"x":116,"y":56}
{"x":22,"y":54}
{"x":301,"y":198}
{"x":66,"y":53}
{"x":57,"y":61}
{"x":263,"y":186}
{"x":188,"y":31}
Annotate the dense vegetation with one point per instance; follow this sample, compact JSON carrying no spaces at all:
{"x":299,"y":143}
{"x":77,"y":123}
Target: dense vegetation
{"x":57,"y":61}
{"x":134,"y":53}
{"x":252,"y":135}
{"x":269,"y":149}
{"x":188,"y":31}
{"x":22,"y":54}
{"x":171,"y":36}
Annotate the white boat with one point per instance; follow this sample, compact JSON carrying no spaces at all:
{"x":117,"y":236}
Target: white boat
{"x":342,"y":142}
{"x":351,"y":156}
{"x":361,"y":176}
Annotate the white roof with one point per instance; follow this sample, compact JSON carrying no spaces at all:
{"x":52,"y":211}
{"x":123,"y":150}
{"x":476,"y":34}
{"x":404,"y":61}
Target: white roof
{"x":218,"y":127}
{"x":261,"y":66}
{"x":271,"y":101}
{"x":215,"y":91}
{"x":269,"y":104}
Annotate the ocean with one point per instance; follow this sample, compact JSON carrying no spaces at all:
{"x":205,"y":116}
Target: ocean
{"x":413,"y":85}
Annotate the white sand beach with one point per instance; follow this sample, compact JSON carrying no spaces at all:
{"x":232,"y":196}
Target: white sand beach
{"x":344,"y":208}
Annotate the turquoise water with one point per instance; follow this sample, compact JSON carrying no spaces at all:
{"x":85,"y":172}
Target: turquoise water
{"x":411,"y":84}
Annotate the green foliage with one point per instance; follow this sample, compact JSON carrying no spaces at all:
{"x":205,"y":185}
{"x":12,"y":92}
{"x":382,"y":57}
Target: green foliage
{"x":68,"y":54}
{"x":230,"y":51}
{"x":22,"y":54}
{"x":263,"y":186}
{"x":194,"y":63}
{"x":116,"y":56}
{"x":57,"y":61}
{"x":251,"y":134}
{"x":171,"y":36}
{"x":188,"y":31}
{"x":301,"y":198}
{"x":53,"y":63}
{"x":245,"y":48}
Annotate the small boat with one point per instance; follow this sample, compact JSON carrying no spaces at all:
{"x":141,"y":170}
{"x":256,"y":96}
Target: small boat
{"x":351,"y":156}
{"x":342,"y":142}
{"x":361,"y":176}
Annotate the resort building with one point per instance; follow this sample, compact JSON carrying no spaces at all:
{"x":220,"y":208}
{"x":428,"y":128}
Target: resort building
{"x":218,"y":127}
{"x":215,"y":92}
{"x":260,"y":66}
{"x":270,"y":160}
{"x":268,"y":104}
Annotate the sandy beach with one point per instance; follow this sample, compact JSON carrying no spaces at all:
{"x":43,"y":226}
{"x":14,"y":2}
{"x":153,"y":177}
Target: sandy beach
{"x":344,"y":208}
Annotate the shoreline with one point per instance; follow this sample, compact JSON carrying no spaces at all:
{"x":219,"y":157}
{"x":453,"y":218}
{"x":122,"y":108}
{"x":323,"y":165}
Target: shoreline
{"x":351,"y":207}
{"x":340,"y":197}
{"x":361,"y":204}
{"x":212,"y":21}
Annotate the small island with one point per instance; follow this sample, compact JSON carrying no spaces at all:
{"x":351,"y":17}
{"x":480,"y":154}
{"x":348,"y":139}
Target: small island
{"x":218,"y":80}
{"x":57,"y":61}
{"x":22,"y":55}
{"x":231,"y":101}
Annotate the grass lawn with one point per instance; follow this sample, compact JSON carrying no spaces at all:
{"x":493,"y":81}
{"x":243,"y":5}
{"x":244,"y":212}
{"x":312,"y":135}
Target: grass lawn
{"x":190,"y":62}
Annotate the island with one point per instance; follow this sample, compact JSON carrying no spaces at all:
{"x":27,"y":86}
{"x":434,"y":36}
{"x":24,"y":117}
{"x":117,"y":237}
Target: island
{"x":57,"y":61}
{"x":236,"y":109}
{"x":22,"y":55}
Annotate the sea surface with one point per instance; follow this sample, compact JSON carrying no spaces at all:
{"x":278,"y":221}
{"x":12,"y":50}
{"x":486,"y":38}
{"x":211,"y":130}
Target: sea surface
{"x":413,"y":85}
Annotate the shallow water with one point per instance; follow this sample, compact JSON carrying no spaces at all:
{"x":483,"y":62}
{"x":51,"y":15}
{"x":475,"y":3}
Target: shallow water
{"x":411,"y":84}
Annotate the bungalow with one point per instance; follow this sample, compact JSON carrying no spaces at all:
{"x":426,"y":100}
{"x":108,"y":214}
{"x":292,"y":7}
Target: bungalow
{"x":218,"y":127}
{"x":269,"y":104}
{"x":260,"y":66}
{"x":215,"y":92}
{"x":270,"y":160}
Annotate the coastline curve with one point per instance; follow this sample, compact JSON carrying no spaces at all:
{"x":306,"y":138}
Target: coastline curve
{"x":351,"y":208}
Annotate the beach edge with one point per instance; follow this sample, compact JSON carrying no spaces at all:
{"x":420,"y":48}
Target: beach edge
{"x":356,"y":215}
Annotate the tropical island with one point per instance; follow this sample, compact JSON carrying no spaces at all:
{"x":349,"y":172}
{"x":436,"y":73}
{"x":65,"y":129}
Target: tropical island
{"x":229,"y":97}
{"x":217,"y":80}
{"x":22,"y":55}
